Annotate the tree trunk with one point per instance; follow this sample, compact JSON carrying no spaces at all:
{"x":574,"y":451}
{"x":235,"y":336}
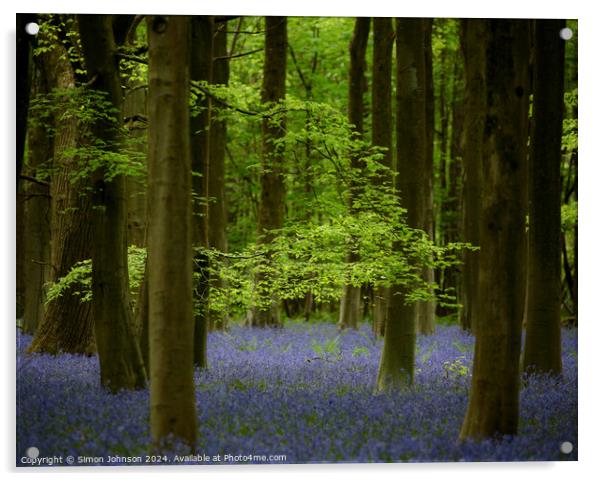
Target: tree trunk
{"x":218,"y":213}
{"x":472,"y":33}
{"x":451,"y":207}
{"x":271,"y":206}
{"x":37,"y":214}
{"x":542,"y":344}
{"x":396,"y":368}
{"x":494,"y":393}
{"x":382,"y":125}
{"x":21,"y":257}
{"x":67,"y":325}
{"x":171,"y":324}
{"x":121,"y":365}
{"x":134,"y":107}
{"x":141,"y":322}
{"x":426,"y":309}
{"x":350,"y":310}
{"x":201,"y":65}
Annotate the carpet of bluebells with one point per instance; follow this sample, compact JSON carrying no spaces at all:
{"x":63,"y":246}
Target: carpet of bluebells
{"x":301,"y":392}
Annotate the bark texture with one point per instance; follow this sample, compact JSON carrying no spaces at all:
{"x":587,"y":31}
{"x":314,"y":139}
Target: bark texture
{"x":350,"y":311}
{"x":382,"y":130}
{"x":426,"y":309}
{"x":494,"y":395}
{"x":218,"y":213}
{"x":134,"y":110}
{"x":472,"y":33}
{"x":37,"y":215}
{"x":271,"y":205}
{"x":396,"y":368}
{"x":121,"y":365}
{"x":201,"y":64}
{"x":171,"y":325}
{"x":542,"y":343}
{"x":67,"y":325}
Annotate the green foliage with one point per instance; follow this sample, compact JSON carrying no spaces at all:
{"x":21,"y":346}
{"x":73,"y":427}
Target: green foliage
{"x":329,"y":350}
{"x":78,"y":281}
{"x":60,"y":31}
{"x":332,"y":208}
{"x":570,"y":140}
{"x":569,"y":215}
{"x":360,"y":351}
{"x":85,"y":108}
{"x":457,"y":368}
{"x":78,"y":278}
{"x":360,"y":205}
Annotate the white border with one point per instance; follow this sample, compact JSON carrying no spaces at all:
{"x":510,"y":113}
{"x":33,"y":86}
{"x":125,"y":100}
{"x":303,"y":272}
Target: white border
{"x":589,"y":285}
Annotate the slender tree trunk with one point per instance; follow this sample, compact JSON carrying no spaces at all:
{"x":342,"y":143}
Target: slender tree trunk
{"x":171,"y":324}
{"x":542,"y":344}
{"x":350,"y":311}
{"x":382,"y":131}
{"x":443,"y":123}
{"x":396,"y":368}
{"x":218,"y":213}
{"x":472,"y":33}
{"x":21,"y":254}
{"x":134,"y":108}
{"x":451,"y":207}
{"x":201,"y":65}
{"x":24,"y":75}
{"x":121,"y":365}
{"x":494,"y":394}
{"x":271,"y":206}
{"x":141,"y":321}
{"x":67,"y":325}
{"x":426,"y":309}
{"x":37,"y":214}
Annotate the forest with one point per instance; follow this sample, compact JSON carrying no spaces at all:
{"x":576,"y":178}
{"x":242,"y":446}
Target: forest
{"x":248,"y":240}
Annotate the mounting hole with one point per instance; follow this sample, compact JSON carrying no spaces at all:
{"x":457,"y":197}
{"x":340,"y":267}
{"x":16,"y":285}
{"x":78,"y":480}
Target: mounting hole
{"x":32,"y":452}
{"x":32,"y":28}
{"x":566,"y":447}
{"x":566,"y":33}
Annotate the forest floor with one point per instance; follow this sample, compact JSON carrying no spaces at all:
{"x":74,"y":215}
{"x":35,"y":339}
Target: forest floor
{"x":306,"y":392}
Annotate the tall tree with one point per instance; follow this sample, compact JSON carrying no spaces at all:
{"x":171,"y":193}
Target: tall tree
{"x":171,"y":325}
{"x":472,"y":33}
{"x":121,"y":365}
{"x":350,"y":311}
{"x":67,"y":325}
{"x":382,"y":128}
{"x":218,"y":214}
{"x":450,"y":208}
{"x":542,"y":343}
{"x":24,"y":76}
{"x":201,"y":64}
{"x":271,"y":205}
{"x":426,"y":309}
{"x":396,"y":368}
{"x":493,"y":403}
{"x":36,"y":238}
{"x":134,"y":113}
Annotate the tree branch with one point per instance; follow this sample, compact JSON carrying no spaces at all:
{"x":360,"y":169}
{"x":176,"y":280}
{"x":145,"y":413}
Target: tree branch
{"x":34,"y":180}
{"x":244,"y":54}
